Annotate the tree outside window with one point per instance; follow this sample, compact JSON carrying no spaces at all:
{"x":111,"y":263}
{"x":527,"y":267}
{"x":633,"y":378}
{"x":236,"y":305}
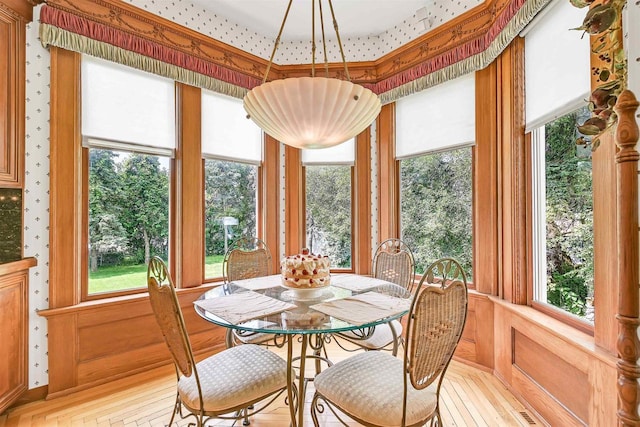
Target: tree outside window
{"x":128,"y":217}
{"x":435,"y":207}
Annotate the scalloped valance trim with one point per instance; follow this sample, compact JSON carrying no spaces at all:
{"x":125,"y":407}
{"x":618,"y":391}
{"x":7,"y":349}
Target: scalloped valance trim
{"x":77,"y":33}
{"x":502,"y":33}
{"x":70,"y":26}
{"x":54,"y":36}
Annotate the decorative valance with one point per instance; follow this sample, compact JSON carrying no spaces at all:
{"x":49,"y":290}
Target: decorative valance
{"x":122,"y":33}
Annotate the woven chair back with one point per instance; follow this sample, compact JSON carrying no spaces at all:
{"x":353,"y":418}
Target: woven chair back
{"x":439,"y":312}
{"x":166,"y":308}
{"x":246,"y":259}
{"x":393,"y":262}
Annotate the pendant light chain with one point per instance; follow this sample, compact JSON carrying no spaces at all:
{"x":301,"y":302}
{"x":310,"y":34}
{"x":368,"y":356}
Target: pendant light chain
{"x":335,"y":26}
{"x":277,"y":42}
{"x":313,"y":36}
{"x":324,"y":41}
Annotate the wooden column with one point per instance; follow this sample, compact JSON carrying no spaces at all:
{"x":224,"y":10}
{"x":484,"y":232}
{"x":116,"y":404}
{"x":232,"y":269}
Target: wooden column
{"x":388,"y":185}
{"x":294,"y":219}
{"x":189,"y":259}
{"x":513,"y":175}
{"x":362,"y":205}
{"x":627,"y":201}
{"x":269,"y":222}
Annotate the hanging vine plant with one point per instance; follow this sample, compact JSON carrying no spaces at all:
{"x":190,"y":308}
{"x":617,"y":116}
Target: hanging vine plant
{"x":610,"y":71}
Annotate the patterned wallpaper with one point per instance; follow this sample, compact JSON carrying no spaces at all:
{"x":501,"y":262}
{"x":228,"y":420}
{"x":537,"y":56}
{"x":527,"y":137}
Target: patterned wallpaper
{"x":295,"y":52}
{"x":36,"y":198}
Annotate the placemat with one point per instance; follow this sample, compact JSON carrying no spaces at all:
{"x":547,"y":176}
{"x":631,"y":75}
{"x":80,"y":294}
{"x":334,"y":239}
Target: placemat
{"x":355,"y":283}
{"x":364,"y":308}
{"x":257,"y":283}
{"x":238,"y":308}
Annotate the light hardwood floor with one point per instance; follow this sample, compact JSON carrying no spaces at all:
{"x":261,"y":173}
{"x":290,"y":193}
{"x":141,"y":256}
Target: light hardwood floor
{"x":471,"y":397}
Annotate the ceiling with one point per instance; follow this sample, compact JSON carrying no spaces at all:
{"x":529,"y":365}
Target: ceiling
{"x":356,"y":18}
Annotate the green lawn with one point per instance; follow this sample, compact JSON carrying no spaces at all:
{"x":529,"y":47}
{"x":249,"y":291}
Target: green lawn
{"x":118,"y":278}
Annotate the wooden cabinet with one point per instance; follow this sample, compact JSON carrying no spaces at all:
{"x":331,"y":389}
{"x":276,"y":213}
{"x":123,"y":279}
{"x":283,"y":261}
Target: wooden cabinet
{"x":14,"y":15}
{"x":14,"y":321}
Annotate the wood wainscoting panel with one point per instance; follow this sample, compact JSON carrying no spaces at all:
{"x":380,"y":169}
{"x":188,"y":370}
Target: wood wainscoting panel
{"x":98,"y":342}
{"x":476,"y":344}
{"x":13,"y":330}
{"x":557,"y":376}
{"x":558,"y":370}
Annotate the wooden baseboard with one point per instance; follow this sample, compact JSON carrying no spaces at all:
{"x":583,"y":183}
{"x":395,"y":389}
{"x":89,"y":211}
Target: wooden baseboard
{"x":31,"y":395}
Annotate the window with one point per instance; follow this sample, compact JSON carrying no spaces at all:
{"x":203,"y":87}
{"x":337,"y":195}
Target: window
{"x":128,"y":217}
{"x":230,"y":208}
{"x":562,"y":196}
{"x":435,"y":207}
{"x":563,"y":219}
{"x":328,"y":181}
{"x":232,"y":148}
{"x":435,"y":152}
{"x":128,"y":132}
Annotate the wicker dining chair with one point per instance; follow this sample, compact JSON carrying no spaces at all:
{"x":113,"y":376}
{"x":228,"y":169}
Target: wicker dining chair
{"x":393,"y":261}
{"x":247,"y":258}
{"x":377,"y":389}
{"x":221,"y":386}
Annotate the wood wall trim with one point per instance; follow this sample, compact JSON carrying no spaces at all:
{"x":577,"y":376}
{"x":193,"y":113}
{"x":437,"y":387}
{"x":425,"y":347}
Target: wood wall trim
{"x":388,"y":175}
{"x":473,"y":30}
{"x":513,"y":174}
{"x":294,"y":205}
{"x":628,"y":274}
{"x":15,"y":266}
{"x":361,"y":205}
{"x":269,"y":226}
{"x":486,"y":191}
{"x":65,"y":211}
{"x":22,"y":9}
{"x":190,"y":189}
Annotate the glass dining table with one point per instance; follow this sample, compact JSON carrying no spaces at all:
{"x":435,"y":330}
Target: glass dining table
{"x":263,"y":306}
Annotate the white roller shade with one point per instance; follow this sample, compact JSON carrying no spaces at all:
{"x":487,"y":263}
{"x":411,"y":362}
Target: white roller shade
{"x":557,"y":65}
{"x":122,"y":104}
{"x":226,"y":131}
{"x":341,"y":154}
{"x":439,"y":118}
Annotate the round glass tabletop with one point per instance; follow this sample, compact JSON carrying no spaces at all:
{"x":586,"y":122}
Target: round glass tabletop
{"x":262,"y":305}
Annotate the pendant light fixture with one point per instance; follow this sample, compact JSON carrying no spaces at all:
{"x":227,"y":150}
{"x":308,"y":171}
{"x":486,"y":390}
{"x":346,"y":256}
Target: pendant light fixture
{"x":312,"y":112}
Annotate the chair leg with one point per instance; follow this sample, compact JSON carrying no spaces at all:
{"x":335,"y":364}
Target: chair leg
{"x":314,"y":415}
{"x":176,"y":409}
{"x":246,"y":421}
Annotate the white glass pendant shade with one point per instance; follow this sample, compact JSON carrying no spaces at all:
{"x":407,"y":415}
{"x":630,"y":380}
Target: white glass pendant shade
{"x":312,"y":112}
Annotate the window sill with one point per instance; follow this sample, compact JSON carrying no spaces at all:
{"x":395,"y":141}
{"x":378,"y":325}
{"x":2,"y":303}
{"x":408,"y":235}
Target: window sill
{"x":567,"y":333}
{"x":118,"y":300}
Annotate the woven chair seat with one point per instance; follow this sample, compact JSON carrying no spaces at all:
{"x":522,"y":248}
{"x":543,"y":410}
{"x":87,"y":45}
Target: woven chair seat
{"x":235,"y":376}
{"x":369,"y":387}
{"x":380,"y":338}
